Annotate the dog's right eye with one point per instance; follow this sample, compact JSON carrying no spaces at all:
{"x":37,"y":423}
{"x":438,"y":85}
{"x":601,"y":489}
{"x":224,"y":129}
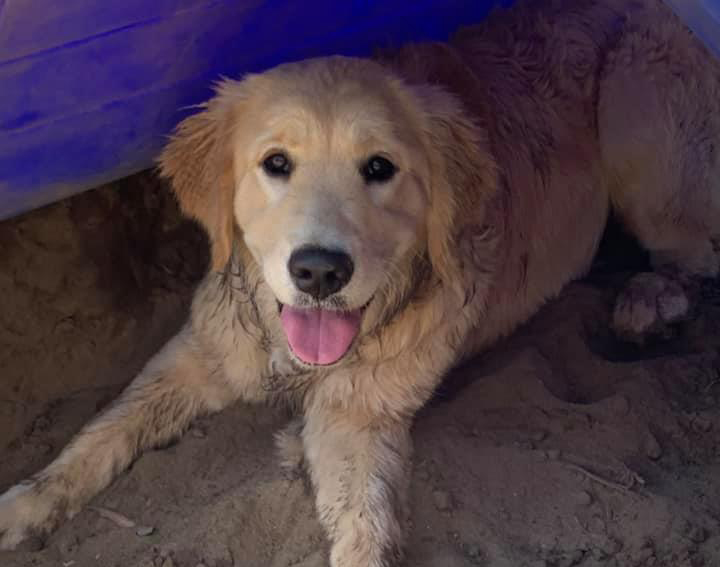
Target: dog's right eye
{"x":277,"y":165}
{"x":378,"y":170}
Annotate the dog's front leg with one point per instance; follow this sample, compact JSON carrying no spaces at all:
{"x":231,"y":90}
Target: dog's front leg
{"x":179,"y":383}
{"x":359,"y":465}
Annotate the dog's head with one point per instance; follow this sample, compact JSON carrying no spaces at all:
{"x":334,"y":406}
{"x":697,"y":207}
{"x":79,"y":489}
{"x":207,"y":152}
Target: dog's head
{"x":338,"y":178}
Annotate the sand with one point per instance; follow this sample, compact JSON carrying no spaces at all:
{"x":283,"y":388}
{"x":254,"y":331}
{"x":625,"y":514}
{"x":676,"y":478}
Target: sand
{"x":560,"y":447}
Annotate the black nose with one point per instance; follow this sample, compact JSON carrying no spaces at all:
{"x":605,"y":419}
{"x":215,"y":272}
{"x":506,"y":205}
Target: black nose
{"x":320,"y":272}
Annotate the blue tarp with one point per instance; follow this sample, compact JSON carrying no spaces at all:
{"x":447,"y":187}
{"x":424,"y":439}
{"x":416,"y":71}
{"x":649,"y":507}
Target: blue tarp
{"x":90,"y":88}
{"x":703,"y":17}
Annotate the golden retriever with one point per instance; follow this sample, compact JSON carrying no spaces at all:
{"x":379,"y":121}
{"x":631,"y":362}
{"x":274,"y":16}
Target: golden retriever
{"x":374,"y":222}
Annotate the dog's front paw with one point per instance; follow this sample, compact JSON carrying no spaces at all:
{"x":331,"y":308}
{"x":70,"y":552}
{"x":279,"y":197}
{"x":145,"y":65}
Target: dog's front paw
{"x":361,"y":550}
{"x":27,"y":510}
{"x":649,"y":303}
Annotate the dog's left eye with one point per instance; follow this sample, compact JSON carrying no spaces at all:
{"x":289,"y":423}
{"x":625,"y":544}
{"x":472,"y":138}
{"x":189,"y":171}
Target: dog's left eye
{"x":378,"y":170}
{"x":277,"y":165}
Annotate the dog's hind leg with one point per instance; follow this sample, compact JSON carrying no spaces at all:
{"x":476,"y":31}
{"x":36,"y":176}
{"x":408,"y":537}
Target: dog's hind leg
{"x":179,"y":383}
{"x":659,"y":131}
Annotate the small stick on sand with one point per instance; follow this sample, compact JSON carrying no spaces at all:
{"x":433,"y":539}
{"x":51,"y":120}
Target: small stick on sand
{"x":625,"y":488}
{"x":114,"y":517}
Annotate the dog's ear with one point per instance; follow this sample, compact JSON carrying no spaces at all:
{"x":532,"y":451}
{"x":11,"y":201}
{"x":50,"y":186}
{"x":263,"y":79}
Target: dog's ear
{"x":463,"y":177}
{"x":198,"y":162}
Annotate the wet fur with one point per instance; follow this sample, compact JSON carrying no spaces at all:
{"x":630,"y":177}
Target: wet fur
{"x":531,"y":131}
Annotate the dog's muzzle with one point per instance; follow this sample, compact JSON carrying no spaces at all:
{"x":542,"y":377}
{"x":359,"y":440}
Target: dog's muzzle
{"x":320,"y":336}
{"x":320,"y":272}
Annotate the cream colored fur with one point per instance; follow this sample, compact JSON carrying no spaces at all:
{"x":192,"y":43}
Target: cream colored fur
{"x":512,"y":142}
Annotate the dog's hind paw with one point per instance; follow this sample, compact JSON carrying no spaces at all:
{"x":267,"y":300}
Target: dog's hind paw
{"x":648,"y":305}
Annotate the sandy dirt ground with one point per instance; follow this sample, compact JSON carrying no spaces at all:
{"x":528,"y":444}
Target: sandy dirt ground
{"x":560,"y":447}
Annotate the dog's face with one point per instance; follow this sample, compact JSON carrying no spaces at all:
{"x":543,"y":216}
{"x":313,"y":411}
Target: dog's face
{"x":331,"y":195}
{"x":326,"y":170}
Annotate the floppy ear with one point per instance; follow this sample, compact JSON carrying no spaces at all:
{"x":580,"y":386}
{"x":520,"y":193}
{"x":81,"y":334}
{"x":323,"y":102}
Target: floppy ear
{"x":198,"y":161}
{"x":463,"y":178}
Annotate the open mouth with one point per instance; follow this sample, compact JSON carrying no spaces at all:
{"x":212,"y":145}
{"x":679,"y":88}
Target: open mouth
{"x":320,"y":337}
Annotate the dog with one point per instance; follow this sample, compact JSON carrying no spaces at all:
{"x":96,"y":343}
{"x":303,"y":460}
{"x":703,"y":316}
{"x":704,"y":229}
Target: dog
{"x":374,"y":222}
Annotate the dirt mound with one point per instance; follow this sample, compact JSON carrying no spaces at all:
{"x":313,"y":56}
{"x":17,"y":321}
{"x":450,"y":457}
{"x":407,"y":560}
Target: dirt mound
{"x":559,"y":447}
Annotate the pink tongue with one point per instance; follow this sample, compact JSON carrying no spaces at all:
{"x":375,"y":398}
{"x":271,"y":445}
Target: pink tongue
{"x":319,"y":336}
